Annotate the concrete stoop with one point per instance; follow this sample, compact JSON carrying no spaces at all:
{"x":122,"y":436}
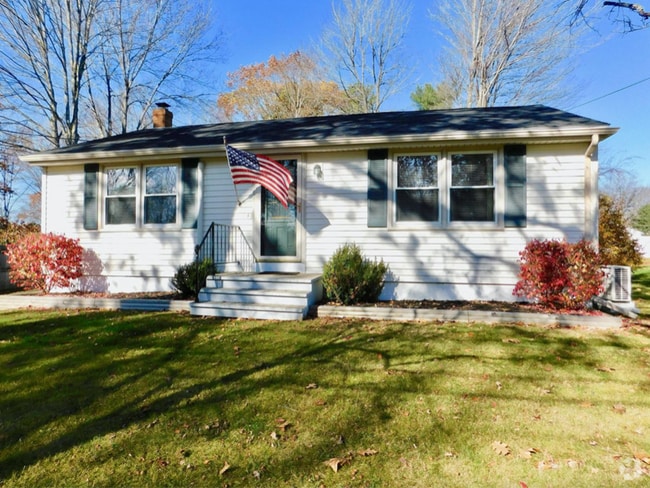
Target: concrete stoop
{"x":272,"y":296}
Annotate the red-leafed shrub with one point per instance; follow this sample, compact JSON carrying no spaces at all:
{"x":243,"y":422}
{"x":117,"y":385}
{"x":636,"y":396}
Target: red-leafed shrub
{"x":559,"y":274}
{"x":44,"y":261}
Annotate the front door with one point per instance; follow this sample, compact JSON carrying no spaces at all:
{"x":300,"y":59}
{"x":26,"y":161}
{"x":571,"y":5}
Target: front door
{"x":279,"y":229}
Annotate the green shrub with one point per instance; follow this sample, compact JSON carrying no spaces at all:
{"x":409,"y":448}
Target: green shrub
{"x":188,"y":275}
{"x":349,"y":278}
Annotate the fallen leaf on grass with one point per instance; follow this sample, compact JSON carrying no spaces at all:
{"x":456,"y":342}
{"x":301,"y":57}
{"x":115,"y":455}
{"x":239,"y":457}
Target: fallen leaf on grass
{"x":367,"y":452}
{"x":548,"y":464}
{"x":225,"y":468}
{"x":275,"y":436}
{"x":619,"y":408}
{"x":572,"y":463}
{"x":523,"y":485}
{"x":642,"y":456}
{"x":501,"y":448}
{"x":335,"y":463}
{"x":511,"y":340}
{"x":605,"y":369}
{"x":283,"y":424}
{"x":528,"y":453}
{"x":311,"y":386}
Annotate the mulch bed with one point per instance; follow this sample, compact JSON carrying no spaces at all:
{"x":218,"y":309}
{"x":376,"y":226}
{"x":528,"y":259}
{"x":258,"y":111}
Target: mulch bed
{"x":493,"y":306}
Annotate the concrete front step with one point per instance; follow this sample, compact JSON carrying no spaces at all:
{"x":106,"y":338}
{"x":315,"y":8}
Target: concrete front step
{"x":266,"y":281}
{"x":248,"y":310}
{"x":272,"y":296}
{"x":255,"y":296}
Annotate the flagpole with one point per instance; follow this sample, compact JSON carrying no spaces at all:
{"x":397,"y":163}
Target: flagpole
{"x":229,"y":169}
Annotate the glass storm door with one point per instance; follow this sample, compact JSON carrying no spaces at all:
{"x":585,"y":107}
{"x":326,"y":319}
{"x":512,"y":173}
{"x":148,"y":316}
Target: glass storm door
{"x":278,"y":225}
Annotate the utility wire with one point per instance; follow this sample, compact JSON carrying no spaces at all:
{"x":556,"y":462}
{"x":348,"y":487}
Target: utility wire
{"x":611,"y":93}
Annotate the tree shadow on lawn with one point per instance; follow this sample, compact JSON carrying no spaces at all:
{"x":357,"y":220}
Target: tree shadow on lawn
{"x":108,"y":371}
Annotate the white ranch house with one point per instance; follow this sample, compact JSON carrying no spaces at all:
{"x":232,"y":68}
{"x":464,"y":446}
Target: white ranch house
{"x":446,"y":198}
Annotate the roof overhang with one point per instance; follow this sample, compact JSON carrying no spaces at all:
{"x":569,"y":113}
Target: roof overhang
{"x":440,"y":138}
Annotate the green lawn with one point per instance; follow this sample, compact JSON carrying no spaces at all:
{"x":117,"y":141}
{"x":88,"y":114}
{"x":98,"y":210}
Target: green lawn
{"x":162,"y":399}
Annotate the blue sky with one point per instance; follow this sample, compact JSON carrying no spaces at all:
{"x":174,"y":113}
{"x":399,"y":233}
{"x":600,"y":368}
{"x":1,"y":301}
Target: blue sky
{"x":257,"y":29}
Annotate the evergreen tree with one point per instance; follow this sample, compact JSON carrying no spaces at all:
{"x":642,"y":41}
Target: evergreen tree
{"x":642,"y":220}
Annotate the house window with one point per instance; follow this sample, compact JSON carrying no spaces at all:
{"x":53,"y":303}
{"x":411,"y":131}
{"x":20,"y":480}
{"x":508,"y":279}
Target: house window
{"x":121,"y":189}
{"x":417,"y":192}
{"x":160,"y":196}
{"x":142,"y":195}
{"x":471,"y":194}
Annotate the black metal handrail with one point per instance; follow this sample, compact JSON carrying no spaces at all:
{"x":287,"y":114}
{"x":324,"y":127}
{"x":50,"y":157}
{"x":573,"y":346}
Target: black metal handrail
{"x":224,"y":245}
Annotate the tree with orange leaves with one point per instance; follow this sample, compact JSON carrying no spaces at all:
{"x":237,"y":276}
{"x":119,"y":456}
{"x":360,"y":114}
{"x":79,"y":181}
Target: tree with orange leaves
{"x":283,"y":87}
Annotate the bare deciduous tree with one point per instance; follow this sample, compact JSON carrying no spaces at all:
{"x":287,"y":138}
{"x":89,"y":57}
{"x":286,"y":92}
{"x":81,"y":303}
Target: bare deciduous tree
{"x":364,"y":45}
{"x":501,"y":52}
{"x":44,"y":51}
{"x":111,"y":58}
{"x":149,"y":50}
{"x":19,"y":183}
{"x":633,"y":16}
{"x":619,"y":181}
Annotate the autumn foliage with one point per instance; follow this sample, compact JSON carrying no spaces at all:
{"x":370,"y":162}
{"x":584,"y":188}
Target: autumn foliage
{"x":13,"y":231}
{"x":616,"y":244}
{"x":559,"y":274}
{"x":44,"y":261}
{"x":284,"y":87}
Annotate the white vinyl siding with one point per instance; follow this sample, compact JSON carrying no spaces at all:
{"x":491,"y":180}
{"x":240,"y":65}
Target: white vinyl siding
{"x":119,"y":260}
{"x":445,"y":263}
{"x":452,"y":262}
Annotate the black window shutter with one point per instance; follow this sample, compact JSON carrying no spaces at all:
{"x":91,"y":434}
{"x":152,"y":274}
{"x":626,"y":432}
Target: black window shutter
{"x":515,"y":172}
{"x":91,"y":202}
{"x":190,"y":192}
{"x":377,"y":188}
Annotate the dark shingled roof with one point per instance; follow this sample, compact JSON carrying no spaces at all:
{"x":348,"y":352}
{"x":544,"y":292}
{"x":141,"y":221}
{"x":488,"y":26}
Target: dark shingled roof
{"x":382,"y":124}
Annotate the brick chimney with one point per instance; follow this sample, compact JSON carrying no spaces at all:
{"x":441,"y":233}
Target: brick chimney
{"x":162,"y":117}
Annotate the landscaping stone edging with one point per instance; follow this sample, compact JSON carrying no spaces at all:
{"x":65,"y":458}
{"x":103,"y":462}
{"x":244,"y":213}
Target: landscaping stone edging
{"x":14,"y":301}
{"x":484,"y":316}
{"x":17,"y":301}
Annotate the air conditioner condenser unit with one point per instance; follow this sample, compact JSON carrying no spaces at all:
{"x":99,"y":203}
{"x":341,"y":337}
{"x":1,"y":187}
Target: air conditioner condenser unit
{"x":618,"y":284}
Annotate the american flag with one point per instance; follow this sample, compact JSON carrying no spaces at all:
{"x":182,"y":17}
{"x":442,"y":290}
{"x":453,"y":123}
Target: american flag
{"x":252,"y":168}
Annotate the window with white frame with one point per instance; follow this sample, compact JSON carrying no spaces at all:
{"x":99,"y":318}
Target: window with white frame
{"x":121,"y":192}
{"x":161,"y":195}
{"x":141,"y":195}
{"x":444,"y":189}
{"x":471,"y":194}
{"x":417,"y":193}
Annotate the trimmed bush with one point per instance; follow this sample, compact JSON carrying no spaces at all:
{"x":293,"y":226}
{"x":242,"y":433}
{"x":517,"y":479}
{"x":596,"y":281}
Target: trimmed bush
{"x":185,"y":279}
{"x":349,"y":278}
{"x":559,"y":274}
{"x":44,"y":261}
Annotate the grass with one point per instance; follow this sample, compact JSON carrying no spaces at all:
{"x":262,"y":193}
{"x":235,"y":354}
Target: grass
{"x":162,"y":399}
